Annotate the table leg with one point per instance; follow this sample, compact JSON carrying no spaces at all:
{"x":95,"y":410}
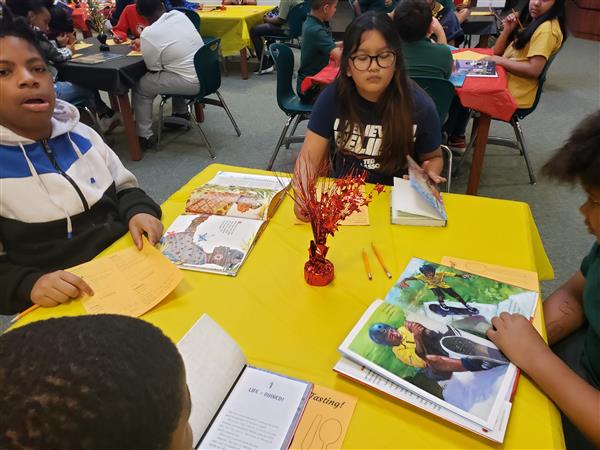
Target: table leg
{"x":481,"y":126}
{"x":199,"y":110}
{"x":244,"y":63}
{"x":114,"y":102}
{"x":130,"y":128}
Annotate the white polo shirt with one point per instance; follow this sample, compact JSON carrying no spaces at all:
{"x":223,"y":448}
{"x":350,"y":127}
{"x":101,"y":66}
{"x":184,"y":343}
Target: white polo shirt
{"x":170,"y":44}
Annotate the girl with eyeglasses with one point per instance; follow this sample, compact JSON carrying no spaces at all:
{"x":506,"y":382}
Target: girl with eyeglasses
{"x":372,"y":116}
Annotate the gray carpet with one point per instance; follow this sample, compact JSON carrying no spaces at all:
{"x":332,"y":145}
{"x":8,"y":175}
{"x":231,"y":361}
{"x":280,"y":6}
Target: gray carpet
{"x":571,"y":92}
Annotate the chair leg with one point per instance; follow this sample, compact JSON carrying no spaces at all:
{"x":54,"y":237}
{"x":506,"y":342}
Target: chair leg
{"x":280,"y":141}
{"x":193,"y":117}
{"x":294,"y":126}
{"x":521,"y":139}
{"x":224,"y":105}
{"x":161,"y":108}
{"x":449,"y":165}
{"x":94,"y":119}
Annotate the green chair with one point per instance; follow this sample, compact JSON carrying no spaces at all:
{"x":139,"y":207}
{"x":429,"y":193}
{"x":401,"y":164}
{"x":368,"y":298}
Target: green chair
{"x":515,"y":122}
{"x":441,"y":92}
{"x":287,"y":100}
{"x":206,"y":61}
{"x":195,"y":19}
{"x":295,"y":20}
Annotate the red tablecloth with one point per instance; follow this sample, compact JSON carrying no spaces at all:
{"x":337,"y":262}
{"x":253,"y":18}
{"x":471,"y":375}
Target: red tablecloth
{"x":487,"y":95}
{"x":80,"y":15}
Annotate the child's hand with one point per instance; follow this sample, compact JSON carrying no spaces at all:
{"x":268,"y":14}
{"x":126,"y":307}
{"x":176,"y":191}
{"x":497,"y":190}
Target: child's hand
{"x":58,"y":287}
{"x":510,"y":23}
{"x":143,"y":223}
{"x":62,"y":40}
{"x":426,"y":166}
{"x":135,"y":45}
{"x":517,"y":339}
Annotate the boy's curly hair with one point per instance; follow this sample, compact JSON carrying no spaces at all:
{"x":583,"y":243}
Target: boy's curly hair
{"x":11,"y":26}
{"x":579,"y":158}
{"x":89,"y":382}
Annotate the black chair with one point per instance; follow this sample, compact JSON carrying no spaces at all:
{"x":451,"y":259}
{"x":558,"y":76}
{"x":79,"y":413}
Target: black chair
{"x":287,"y":100}
{"x":206,"y":61}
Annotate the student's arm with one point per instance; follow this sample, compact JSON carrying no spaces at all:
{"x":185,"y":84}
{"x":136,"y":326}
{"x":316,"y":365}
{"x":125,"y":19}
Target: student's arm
{"x":151,"y":54}
{"x":121,"y":29}
{"x":510,"y":23}
{"x":433,"y":164}
{"x":563,"y":309}
{"x":336,"y":55}
{"x":530,"y":68}
{"x":438,"y":31}
{"x":578,"y":400}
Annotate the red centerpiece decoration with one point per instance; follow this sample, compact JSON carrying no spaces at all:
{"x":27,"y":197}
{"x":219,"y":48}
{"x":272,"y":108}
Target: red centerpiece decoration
{"x":325,"y":203}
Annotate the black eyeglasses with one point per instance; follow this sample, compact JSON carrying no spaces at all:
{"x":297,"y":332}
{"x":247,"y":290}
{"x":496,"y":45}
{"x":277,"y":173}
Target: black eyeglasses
{"x":384,"y":60}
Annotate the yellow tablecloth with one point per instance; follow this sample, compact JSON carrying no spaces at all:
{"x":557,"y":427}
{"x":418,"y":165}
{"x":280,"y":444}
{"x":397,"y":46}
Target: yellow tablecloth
{"x":292,"y":328}
{"x":232,"y":25}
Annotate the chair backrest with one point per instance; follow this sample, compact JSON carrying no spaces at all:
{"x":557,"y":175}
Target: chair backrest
{"x":524,"y":112}
{"x":192,"y":15}
{"x":295,"y":19}
{"x":284,"y":63}
{"x":441,"y":92}
{"x":206,"y":62}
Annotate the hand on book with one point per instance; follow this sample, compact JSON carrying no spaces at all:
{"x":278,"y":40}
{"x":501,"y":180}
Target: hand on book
{"x":58,"y":287}
{"x":143,"y":223}
{"x":514,"y":335}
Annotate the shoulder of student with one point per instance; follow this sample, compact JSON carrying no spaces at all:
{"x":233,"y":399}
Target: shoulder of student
{"x":422,"y":102}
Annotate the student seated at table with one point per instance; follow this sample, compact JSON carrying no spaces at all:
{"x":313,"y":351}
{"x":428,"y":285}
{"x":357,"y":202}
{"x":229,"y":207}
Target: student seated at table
{"x":65,"y":194}
{"x":60,"y":30}
{"x":445,"y":13}
{"x":523,"y":52}
{"x":119,"y":7}
{"x":372,"y":116}
{"x":384,"y":6}
{"x":169,"y":58}
{"x":97,"y":382}
{"x":273,"y":25}
{"x":569,"y":370}
{"x":318,"y":46}
{"x":414,"y":22}
{"x":38,"y":16}
{"x":130,"y":24}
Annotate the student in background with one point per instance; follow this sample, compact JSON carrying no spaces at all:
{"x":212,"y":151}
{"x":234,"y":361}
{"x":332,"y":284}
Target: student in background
{"x":318,"y":46}
{"x":105,"y":382}
{"x":414,"y":23}
{"x":119,"y":7}
{"x":131,"y":23}
{"x":569,"y":370}
{"x":169,"y":58}
{"x":273,"y":25}
{"x":385,"y":6}
{"x":65,"y":194}
{"x":528,"y":40}
{"x":372,"y":115}
{"x":444,"y":12}
{"x":170,"y":4}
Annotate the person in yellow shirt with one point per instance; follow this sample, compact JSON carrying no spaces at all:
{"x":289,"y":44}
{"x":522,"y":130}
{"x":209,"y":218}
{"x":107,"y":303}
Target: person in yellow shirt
{"x":526,"y":44}
{"x":435,"y":281}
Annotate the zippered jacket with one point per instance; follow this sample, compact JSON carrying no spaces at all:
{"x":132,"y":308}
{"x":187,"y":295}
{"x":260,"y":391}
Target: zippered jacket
{"x":62,"y":201}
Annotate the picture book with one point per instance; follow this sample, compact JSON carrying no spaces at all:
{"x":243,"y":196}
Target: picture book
{"x":235,"y":405}
{"x":426,"y":344}
{"x":97,"y":58}
{"x":417,"y":201}
{"x":476,"y":68}
{"x":222,"y":221}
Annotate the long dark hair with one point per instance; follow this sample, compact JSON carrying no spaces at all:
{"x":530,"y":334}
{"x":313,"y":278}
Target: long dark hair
{"x":394,"y":105}
{"x":520,"y":38}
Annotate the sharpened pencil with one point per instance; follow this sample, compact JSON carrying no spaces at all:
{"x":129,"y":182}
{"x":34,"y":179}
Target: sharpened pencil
{"x":24,"y":313}
{"x":380,"y":259}
{"x":367,"y":265}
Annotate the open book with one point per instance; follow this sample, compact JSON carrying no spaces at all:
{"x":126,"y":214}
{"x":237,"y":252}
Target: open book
{"x":417,"y":201}
{"x":221,"y":222}
{"x":425,"y":345}
{"x":235,"y":405}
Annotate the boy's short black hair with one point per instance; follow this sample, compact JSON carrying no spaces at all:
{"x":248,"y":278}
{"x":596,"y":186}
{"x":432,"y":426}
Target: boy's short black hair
{"x":148,"y":8}
{"x":17,"y":27}
{"x":60,"y":21}
{"x":318,"y":4}
{"x":20,"y":8}
{"x":89,"y":382}
{"x":579,"y":158}
{"x":412,"y":19}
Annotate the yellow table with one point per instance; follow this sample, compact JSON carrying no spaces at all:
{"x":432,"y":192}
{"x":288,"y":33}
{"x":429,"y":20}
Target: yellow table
{"x":233,"y":27}
{"x":292,"y":328}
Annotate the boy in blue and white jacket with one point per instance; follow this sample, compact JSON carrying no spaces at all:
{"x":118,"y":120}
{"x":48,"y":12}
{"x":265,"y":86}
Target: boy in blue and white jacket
{"x":64,"y":194}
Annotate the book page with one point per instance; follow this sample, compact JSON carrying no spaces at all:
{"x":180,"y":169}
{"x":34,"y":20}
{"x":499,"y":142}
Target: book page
{"x":367,"y":377}
{"x":325,"y":420}
{"x":468,"y":55}
{"x":261,"y":412}
{"x":213,"y":361}
{"x":210,"y":243}
{"x":425,"y":186}
{"x":237,"y":195}
{"x":408,"y":204}
{"x":525,"y":279}
{"x":128,"y":282}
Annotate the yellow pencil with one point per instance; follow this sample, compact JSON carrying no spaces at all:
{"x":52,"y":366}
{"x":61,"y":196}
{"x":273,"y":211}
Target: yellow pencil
{"x":367,"y":265}
{"x":380,"y":259}
{"x":24,"y":313}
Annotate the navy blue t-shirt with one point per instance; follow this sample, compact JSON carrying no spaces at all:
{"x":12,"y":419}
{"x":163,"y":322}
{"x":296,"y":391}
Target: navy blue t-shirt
{"x":364,"y":153}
